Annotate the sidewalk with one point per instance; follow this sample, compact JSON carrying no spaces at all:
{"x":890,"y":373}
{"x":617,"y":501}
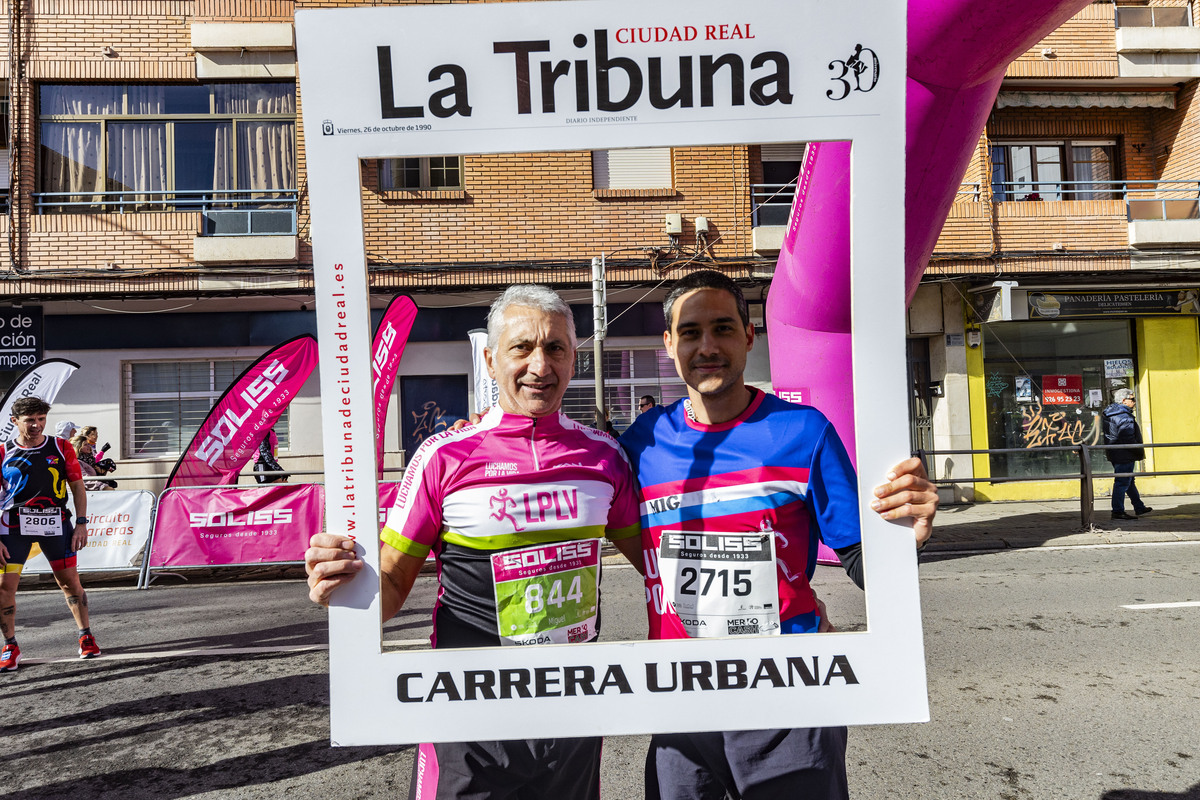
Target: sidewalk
{"x":1056,"y":523}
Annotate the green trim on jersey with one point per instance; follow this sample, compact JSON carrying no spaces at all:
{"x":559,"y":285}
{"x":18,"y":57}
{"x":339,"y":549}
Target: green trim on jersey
{"x":406,"y":546}
{"x":507,"y":542}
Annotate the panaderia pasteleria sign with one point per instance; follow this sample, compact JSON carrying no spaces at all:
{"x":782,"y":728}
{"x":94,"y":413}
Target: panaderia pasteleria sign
{"x":475,"y":78}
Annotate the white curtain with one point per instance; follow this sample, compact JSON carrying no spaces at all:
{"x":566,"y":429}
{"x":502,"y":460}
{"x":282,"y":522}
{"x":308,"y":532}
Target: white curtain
{"x":266,"y":157}
{"x":223,"y":173}
{"x":255,"y":98}
{"x":70,"y":158}
{"x":137,"y":161}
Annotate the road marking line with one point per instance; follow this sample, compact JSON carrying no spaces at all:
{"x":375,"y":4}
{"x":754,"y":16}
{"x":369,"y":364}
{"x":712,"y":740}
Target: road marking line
{"x":1188,"y":604}
{"x":1044,"y":547}
{"x":223,"y":651}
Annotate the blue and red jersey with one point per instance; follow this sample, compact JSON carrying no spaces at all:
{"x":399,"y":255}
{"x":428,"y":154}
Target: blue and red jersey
{"x":778,"y":466}
{"x":38,"y":476}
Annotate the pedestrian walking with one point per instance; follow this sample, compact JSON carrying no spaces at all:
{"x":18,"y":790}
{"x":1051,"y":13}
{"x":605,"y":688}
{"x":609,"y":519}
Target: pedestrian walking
{"x":1121,"y":427}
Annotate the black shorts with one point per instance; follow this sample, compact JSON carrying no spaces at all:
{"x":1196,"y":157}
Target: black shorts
{"x":521,"y":769}
{"x":57,"y":548}
{"x":751,"y":765}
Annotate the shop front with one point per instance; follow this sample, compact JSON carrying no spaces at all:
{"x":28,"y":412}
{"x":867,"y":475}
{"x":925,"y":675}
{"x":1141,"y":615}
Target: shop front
{"x":1041,"y":380}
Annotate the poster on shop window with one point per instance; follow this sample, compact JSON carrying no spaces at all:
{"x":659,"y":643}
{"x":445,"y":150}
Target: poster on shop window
{"x":585,"y":77}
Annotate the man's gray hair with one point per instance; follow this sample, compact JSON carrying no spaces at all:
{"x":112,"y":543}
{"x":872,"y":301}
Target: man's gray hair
{"x":530,"y":295}
{"x":1121,"y":395}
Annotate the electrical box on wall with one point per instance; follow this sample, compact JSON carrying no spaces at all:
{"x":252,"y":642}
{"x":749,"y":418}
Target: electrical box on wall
{"x":673,"y":224}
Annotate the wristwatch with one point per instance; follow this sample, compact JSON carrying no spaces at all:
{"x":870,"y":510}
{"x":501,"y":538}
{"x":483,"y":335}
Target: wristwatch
{"x":81,"y":520}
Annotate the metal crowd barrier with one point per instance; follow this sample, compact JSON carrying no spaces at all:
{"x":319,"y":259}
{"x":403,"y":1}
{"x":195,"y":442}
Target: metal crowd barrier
{"x":1085,"y":476}
{"x":144,"y":570}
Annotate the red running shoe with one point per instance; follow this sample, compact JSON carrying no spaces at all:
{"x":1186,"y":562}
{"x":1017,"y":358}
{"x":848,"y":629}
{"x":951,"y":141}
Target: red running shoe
{"x":10,"y":656}
{"x":88,"y":647}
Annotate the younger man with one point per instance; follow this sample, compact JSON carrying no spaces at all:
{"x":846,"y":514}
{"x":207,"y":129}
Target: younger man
{"x":729,"y":459}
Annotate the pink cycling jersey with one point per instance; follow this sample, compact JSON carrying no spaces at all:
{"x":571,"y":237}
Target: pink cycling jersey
{"x":509,"y":481}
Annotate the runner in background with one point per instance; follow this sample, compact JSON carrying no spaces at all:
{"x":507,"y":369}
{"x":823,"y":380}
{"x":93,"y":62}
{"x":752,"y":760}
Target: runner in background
{"x":36,"y":470}
{"x":477,"y":497}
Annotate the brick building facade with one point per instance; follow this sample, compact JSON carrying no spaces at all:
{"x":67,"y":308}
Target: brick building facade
{"x":155,"y":207}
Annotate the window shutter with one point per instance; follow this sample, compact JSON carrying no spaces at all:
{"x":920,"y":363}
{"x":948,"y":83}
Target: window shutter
{"x":792,"y":151}
{"x":634,"y":168}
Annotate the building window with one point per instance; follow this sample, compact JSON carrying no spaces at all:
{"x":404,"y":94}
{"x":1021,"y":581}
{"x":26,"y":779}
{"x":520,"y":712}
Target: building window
{"x":413,"y":174}
{"x":781,"y":164}
{"x":1057,"y":170}
{"x":182,"y":147}
{"x":166,"y":401}
{"x":629,"y":373}
{"x":4,"y":121}
{"x":632,"y":168}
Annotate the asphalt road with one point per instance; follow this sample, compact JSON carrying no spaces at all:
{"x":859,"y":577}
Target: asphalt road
{"x":1041,"y":685}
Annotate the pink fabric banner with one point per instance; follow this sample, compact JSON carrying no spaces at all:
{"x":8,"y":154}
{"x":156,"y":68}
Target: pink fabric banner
{"x":388,"y":346}
{"x":387,"y":498}
{"x":236,"y":525}
{"x":242,"y":416}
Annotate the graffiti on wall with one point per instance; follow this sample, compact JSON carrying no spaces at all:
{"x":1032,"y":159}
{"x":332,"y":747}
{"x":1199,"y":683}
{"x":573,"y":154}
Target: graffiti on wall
{"x":431,"y":404}
{"x":1045,"y":428}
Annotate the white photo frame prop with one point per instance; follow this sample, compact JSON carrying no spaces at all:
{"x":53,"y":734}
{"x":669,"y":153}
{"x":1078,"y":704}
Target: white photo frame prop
{"x":390,"y":83}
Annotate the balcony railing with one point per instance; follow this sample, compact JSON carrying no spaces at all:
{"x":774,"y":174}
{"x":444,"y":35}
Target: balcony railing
{"x":968,"y":193}
{"x":225,"y":212}
{"x":1140,"y":196}
{"x":772,"y":202}
{"x":1152,"y":17}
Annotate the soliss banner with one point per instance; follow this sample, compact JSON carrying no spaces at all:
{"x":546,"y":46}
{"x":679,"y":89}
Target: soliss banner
{"x":225,"y":525}
{"x":238,"y":421}
{"x":118,"y":527}
{"x":386,"y":351}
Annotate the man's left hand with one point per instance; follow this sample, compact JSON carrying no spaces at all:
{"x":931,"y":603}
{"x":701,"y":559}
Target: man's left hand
{"x":79,"y":538}
{"x":908,"y":493}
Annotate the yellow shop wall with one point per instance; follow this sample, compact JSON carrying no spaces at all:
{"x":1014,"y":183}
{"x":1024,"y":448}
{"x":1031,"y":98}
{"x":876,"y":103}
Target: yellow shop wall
{"x":1169,"y":399}
{"x":1168,"y":350}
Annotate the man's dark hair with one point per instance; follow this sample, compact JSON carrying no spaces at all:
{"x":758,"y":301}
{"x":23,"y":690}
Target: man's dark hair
{"x":705,"y":279}
{"x":28,"y":406}
{"x":647,"y":398}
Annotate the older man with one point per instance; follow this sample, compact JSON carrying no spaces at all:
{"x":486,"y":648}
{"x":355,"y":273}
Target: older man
{"x":524,"y":478}
{"x":731,"y":461}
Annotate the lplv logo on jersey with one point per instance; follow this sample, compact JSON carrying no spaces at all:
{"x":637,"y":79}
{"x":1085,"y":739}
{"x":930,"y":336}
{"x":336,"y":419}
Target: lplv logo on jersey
{"x":535,"y":507}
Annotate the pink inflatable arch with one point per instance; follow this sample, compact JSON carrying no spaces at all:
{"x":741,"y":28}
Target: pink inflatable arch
{"x":958,"y":51}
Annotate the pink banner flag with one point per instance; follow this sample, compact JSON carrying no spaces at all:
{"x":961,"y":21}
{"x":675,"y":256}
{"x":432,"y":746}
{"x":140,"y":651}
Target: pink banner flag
{"x":243,"y":415}
{"x":390,"y":338}
{"x":225,"y":525}
{"x":43,"y":380}
{"x":387,"y":498}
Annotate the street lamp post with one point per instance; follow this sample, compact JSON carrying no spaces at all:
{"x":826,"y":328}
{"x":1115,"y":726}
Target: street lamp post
{"x":599,"y":317}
